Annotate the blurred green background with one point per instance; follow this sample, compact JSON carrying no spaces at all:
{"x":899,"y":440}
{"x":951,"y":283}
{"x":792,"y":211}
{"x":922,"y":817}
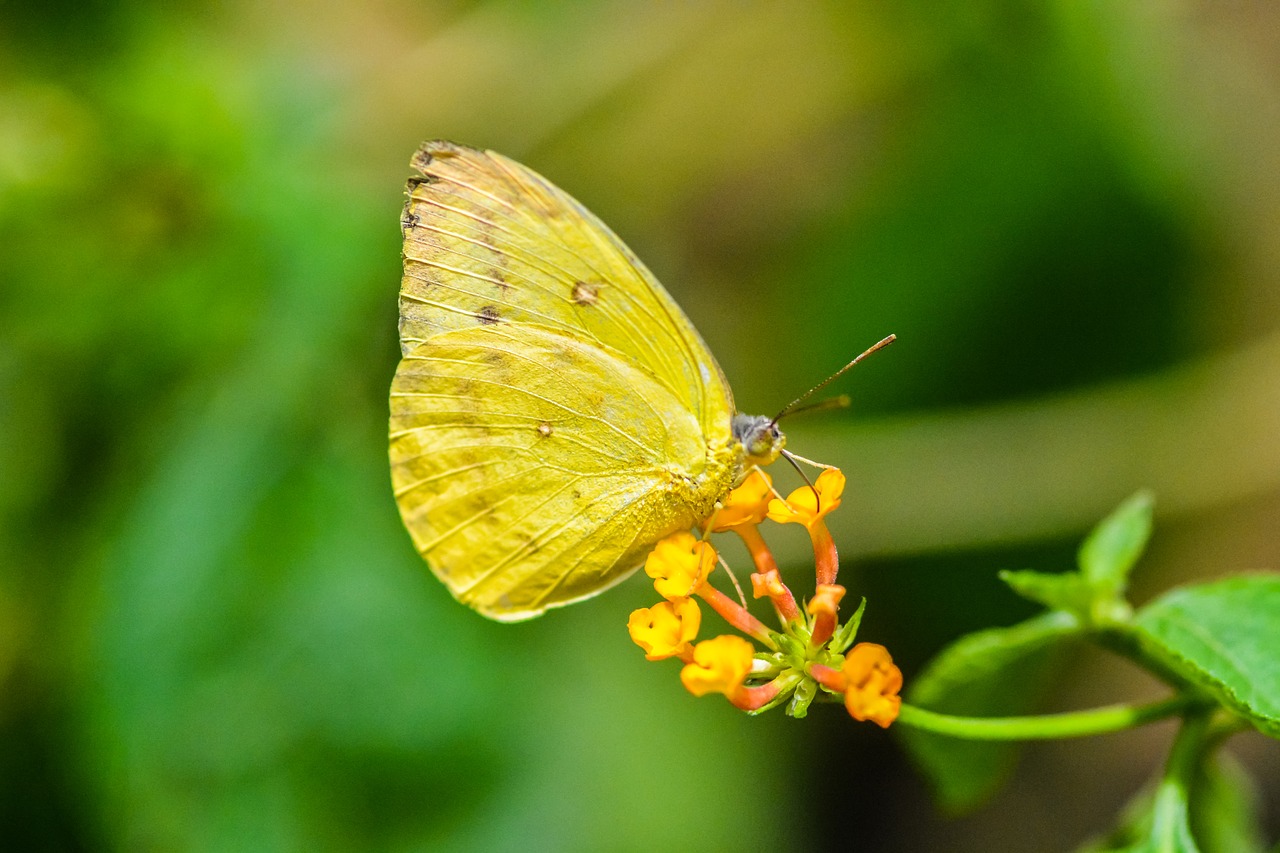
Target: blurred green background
{"x":215,"y":634}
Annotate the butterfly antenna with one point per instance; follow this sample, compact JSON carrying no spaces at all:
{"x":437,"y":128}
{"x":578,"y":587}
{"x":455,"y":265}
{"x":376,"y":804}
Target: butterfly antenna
{"x":791,"y":408}
{"x":791,"y":457}
{"x":843,"y":401}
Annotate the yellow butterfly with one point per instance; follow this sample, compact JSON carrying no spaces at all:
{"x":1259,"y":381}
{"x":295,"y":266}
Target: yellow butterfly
{"x":555,"y":414}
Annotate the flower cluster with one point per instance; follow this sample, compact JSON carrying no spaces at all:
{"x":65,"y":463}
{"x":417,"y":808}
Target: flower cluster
{"x":809,"y":657}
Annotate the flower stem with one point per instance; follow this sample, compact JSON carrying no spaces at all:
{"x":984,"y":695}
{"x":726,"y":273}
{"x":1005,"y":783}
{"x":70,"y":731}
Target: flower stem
{"x":832,"y":679}
{"x":735,"y":614}
{"x":1044,"y":727}
{"x":755,"y":698}
{"x":824,"y":552}
{"x":760,"y":553}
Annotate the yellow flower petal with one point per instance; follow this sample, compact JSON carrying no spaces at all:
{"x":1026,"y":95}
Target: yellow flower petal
{"x":720,"y":665}
{"x":746,"y":504}
{"x":805,"y":507}
{"x":679,"y":565}
{"x":666,"y":629}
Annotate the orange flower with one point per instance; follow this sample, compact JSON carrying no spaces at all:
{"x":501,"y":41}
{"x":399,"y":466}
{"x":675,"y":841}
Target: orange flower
{"x":826,"y":600}
{"x":805,"y":507}
{"x":746,"y":504}
{"x":767,"y":585}
{"x":824,"y":606}
{"x":872,"y":683}
{"x":679,"y":565}
{"x":720,"y":665}
{"x":666,"y":629}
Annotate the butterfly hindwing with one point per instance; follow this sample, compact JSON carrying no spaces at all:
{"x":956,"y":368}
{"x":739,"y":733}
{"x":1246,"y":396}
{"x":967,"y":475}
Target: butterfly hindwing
{"x":532,"y":468}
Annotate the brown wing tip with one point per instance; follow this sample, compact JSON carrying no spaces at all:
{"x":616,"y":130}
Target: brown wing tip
{"x":435,"y":149}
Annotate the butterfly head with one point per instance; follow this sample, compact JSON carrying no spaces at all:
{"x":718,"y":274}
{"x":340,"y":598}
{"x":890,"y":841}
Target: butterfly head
{"x":761,"y":440}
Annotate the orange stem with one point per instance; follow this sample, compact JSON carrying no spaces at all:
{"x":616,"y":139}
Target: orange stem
{"x":752,"y":698}
{"x":824,"y":552}
{"x":735,"y":614}
{"x":760,"y":552}
{"x":824,"y":625}
{"x":832,"y":679}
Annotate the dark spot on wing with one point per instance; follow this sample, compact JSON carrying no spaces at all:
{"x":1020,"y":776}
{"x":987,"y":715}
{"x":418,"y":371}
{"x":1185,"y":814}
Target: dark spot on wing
{"x":409,"y":221}
{"x":586,"y":293}
{"x":422,"y":158}
{"x":499,"y":279}
{"x":488,"y":315}
{"x":413,"y":183}
{"x":435,"y":149}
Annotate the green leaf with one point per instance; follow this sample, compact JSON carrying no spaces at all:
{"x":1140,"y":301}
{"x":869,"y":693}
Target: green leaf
{"x":1057,"y":591}
{"x":1225,"y":815}
{"x":1170,"y":823}
{"x":804,"y":694}
{"x":1222,"y":636}
{"x":1001,"y":671}
{"x":1177,"y":840}
{"x":1132,"y":826}
{"x":849,"y":630}
{"x":1112,"y":548}
{"x":1108,"y":553}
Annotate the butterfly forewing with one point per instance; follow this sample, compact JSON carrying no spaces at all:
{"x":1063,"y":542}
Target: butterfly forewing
{"x":486,"y":239}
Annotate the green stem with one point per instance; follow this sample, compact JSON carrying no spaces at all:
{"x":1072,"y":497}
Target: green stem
{"x":1044,"y":727}
{"x":1170,"y":827}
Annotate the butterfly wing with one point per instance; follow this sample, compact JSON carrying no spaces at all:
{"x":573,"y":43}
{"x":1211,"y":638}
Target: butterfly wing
{"x":555,"y":413}
{"x":534,"y":469}
{"x":486,"y":238}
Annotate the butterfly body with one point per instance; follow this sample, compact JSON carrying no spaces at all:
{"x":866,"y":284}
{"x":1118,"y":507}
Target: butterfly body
{"x":554,"y":413}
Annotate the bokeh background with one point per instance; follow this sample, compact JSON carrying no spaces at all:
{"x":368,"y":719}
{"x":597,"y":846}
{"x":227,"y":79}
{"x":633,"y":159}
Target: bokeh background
{"x":215,"y":635}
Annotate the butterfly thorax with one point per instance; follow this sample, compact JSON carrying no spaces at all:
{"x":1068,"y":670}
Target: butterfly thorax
{"x":760,"y":439}
{"x":689,"y":498}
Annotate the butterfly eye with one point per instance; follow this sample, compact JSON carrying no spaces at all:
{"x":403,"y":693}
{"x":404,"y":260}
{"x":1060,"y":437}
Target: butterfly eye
{"x":769,"y":444}
{"x":760,"y":437}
